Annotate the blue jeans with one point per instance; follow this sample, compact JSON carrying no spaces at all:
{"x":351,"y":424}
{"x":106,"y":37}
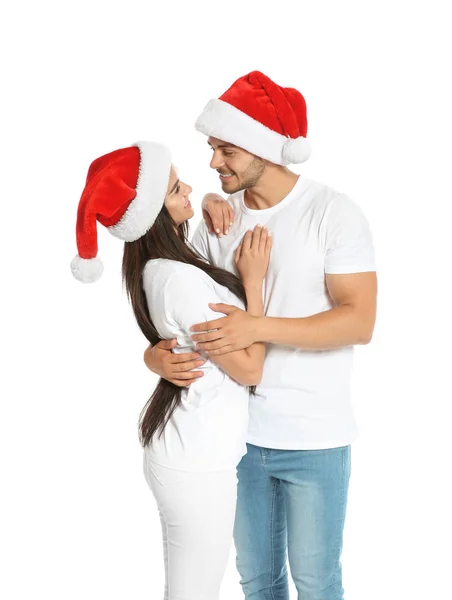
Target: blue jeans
{"x":294,"y":502}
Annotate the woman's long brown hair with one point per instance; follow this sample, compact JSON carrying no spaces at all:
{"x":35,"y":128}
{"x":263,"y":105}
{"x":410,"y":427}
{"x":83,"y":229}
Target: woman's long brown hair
{"x":165,"y":239}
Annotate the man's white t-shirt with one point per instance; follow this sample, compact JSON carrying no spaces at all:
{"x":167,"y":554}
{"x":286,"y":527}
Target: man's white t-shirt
{"x":207,"y":432}
{"x":303,"y":400}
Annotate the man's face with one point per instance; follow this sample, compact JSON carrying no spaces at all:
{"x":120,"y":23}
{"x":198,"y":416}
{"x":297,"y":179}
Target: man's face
{"x":237,"y":168}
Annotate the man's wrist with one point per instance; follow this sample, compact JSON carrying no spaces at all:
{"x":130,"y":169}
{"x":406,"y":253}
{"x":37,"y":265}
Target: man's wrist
{"x":259,"y":328}
{"x":264,"y":329}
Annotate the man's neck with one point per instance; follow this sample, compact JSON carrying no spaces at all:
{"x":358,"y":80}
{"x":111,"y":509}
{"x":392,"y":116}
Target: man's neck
{"x":273,"y":186}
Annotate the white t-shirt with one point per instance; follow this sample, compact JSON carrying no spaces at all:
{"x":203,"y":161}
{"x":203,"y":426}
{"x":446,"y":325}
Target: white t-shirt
{"x":207,"y":432}
{"x":304,"y":400}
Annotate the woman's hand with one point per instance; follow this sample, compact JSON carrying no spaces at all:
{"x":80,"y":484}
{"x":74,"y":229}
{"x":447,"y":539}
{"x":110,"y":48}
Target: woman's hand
{"x":217,"y":213}
{"x":253,"y":255}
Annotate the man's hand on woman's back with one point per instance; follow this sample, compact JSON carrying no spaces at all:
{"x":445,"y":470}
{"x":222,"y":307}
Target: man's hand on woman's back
{"x":175,"y":368}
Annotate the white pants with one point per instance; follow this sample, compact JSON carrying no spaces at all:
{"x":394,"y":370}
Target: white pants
{"x":197,"y":512}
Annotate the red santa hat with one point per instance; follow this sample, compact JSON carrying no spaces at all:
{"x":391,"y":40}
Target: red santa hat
{"x":261,"y":117}
{"x":125,"y":191}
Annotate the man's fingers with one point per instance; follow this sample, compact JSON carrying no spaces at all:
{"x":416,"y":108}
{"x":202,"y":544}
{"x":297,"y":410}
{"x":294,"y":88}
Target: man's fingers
{"x":185,"y":357}
{"x":223,"y":350}
{"x":187,"y":366}
{"x":166,"y":344}
{"x":184,"y":377}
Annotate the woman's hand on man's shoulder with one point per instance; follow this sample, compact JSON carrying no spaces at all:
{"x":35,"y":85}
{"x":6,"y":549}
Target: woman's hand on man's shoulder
{"x":217,"y":213}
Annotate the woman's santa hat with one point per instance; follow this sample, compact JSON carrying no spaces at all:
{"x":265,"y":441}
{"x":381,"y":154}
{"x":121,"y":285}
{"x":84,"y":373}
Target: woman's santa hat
{"x":125,"y":191}
{"x":261,"y":117}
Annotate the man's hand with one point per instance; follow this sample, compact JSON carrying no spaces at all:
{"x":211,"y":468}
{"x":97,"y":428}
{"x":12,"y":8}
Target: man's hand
{"x":175,"y":368}
{"x":217,"y":213}
{"x":236,"y":331}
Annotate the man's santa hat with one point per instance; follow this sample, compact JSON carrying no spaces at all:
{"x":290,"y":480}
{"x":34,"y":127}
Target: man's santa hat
{"x":125,"y":191}
{"x":261,"y":117}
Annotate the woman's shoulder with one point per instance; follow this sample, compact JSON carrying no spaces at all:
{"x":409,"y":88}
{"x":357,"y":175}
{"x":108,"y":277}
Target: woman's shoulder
{"x":169,"y":272}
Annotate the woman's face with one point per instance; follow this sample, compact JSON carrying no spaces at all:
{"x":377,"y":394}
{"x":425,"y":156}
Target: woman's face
{"x":176,"y":199}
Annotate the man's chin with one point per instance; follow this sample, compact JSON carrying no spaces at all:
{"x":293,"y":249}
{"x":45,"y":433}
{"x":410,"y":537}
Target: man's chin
{"x":230,"y":189}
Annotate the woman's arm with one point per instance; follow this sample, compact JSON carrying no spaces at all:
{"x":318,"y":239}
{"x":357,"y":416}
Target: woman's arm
{"x":256,"y":309}
{"x":246,"y":366}
{"x":252,"y":257}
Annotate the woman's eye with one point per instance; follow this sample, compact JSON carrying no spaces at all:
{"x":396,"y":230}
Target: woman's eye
{"x":229,"y":153}
{"x":178,"y":189}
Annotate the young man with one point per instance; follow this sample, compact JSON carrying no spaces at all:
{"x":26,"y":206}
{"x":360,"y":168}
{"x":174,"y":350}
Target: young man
{"x":320,"y":300}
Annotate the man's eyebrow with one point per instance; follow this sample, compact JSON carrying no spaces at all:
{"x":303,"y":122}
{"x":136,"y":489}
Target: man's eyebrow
{"x":174,"y":186}
{"x":223,"y":146}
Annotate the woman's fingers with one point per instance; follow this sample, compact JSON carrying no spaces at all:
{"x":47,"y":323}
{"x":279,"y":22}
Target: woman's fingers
{"x":247,"y":239}
{"x":226,"y":218}
{"x":263,"y":240}
{"x":268,"y":243}
{"x":208,"y":220}
{"x":256,"y":237}
{"x":238,"y":252}
{"x":218,"y":214}
{"x":231,"y":215}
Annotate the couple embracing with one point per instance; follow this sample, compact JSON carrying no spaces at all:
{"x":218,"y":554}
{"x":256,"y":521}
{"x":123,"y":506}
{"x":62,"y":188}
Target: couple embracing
{"x":251,"y":324}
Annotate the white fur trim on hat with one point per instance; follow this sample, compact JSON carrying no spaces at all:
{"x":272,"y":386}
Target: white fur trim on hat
{"x":86,"y":270}
{"x":221,"y":120}
{"x":153,"y":177}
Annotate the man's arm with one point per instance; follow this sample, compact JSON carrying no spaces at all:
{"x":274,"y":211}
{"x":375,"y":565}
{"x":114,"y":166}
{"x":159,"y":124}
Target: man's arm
{"x":352,"y":284}
{"x":350,"y":322}
{"x":176,"y":368}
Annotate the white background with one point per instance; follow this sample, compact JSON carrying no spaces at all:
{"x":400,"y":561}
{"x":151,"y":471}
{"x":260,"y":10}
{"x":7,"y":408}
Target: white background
{"x":83,"y":78}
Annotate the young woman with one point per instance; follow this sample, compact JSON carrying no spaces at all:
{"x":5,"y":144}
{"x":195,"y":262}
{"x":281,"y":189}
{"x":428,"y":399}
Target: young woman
{"x":193,"y":437}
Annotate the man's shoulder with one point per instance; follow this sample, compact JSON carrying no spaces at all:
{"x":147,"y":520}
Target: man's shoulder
{"x":322,"y":192}
{"x":234,"y":200}
{"x":326,"y":197}
{"x":200,"y":238}
{"x":201,"y":229}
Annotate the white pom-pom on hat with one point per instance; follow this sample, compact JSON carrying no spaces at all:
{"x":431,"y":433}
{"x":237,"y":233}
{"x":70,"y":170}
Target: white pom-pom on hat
{"x":296,"y":150}
{"x":87,"y":270}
